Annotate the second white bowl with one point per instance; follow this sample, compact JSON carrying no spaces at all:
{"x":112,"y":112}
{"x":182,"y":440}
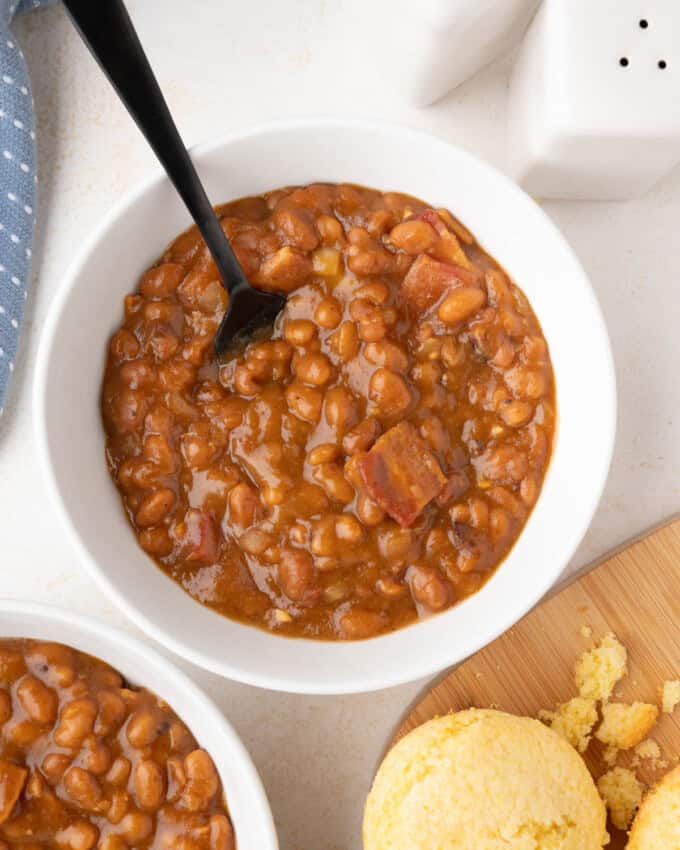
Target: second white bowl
{"x":246,"y":800}
{"x":87,"y":310}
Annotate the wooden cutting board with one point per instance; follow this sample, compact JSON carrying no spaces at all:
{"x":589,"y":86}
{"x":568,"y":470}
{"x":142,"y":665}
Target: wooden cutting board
{"x":633,"y":592}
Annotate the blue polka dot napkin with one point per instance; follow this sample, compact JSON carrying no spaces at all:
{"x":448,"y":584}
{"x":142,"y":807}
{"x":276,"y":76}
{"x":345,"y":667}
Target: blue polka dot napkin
{"x":17,"y":186}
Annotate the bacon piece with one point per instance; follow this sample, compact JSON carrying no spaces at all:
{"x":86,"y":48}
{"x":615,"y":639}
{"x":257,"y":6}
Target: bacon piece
{"x":447,"y":248}
{"x":401,"y":474}
{"x":428,"y":279}
{"x":12,"y":780}
{"x":200,"y":537}
{"x":433,"y":218}
{"x":284,"y":270}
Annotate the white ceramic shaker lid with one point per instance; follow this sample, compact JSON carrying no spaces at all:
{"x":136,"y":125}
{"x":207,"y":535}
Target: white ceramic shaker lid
{"x":594,"y":99}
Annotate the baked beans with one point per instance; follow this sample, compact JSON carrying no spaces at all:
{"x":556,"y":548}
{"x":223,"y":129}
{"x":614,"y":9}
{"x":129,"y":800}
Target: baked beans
{"x":89,"y":761}
{"x":368,"y":460}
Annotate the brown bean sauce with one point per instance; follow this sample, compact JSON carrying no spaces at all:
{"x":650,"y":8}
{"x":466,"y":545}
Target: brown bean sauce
{"x":89,"y":761}
{"x":369,"y":460}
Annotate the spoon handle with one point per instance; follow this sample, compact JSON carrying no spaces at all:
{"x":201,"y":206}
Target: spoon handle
{"x":107,"y":30}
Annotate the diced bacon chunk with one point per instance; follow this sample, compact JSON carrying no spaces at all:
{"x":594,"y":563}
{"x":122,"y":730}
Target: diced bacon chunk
{"x":201,"y":537}
{"x":428,"y":279}
{"x":447,"y":248}
{"x":12,"y":780}
{"x":284,"y":270}
{"x":401,"y":473}
{"x":433,"y":218}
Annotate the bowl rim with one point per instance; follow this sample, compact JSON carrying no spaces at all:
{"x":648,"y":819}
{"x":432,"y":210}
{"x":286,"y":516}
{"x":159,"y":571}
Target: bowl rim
{"x":151,"y":658}
{"x":304,"y":682}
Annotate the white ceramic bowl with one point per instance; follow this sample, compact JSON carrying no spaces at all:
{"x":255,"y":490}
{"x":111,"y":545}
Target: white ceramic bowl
{"x":87,"y":309}
{"x":246,"y":800}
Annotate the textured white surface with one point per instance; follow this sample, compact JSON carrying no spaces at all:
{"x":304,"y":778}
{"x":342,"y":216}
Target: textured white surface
{"x":236,"y":64}
{"x":591,"y":109}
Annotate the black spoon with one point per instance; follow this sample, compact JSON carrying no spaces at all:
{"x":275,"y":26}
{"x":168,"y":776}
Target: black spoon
{"x":107,"y":30}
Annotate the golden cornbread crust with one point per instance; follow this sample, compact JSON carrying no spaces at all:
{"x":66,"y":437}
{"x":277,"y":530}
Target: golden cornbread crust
{"x":657,"y":825}
{"x":483,"y":780}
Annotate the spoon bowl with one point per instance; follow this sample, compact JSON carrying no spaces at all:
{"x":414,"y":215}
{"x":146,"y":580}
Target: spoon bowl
{"x":249,"y":310}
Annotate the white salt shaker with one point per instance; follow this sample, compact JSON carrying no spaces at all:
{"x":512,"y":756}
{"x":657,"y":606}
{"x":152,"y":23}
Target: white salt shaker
{"x":594,"y":99}
{"x":428,"y":47}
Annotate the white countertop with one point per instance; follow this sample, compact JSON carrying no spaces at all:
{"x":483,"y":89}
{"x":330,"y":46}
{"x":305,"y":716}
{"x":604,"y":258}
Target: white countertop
{"x":224,"y":65}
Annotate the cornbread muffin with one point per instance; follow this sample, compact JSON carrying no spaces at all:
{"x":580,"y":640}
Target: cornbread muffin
{"x":483,"y":780}
{"x":657,"y":825}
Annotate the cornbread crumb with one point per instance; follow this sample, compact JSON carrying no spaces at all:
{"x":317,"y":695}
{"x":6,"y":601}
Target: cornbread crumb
{"x":670,"y":695}
{"x":624,"y":726}
{"x":657,"y":825}
{"x":622,"y":794}
{"x":598,"y":670}
{"x":649,"y":751}
{"x":574,"y":721}
{"x":483,"y":779}
{"x":609,"y":755}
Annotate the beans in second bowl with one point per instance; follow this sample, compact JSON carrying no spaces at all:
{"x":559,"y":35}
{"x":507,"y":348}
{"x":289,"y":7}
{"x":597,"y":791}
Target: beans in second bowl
{"x":87,"y":760}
